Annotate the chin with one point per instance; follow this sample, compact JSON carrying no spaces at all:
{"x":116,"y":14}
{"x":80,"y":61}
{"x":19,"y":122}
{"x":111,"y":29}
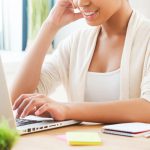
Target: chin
{"x":93,"y":23}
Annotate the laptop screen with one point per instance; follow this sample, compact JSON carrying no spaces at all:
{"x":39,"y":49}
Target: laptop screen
{"x":5,"y":103}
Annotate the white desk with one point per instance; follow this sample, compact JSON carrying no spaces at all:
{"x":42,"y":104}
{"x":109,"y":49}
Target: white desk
{"x":47,"y":140}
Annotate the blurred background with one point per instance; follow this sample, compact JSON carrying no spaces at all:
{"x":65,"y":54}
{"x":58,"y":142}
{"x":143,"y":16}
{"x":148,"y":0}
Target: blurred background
{"x":20,"y":20}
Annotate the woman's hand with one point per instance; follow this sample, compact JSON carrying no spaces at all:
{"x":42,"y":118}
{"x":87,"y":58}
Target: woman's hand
{"x":40,"y":105}
{"x":63,"y":14}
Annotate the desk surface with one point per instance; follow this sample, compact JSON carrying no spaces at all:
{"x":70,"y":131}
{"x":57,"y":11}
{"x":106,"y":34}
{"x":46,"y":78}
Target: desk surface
{"x":47,"y":140}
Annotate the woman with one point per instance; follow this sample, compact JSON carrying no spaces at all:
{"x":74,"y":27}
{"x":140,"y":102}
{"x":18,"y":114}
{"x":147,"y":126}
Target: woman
{"x":104,"y":68}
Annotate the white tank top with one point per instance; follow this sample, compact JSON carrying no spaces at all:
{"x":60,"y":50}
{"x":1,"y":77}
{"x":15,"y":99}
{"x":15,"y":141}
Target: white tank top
{"x":102,"y":86}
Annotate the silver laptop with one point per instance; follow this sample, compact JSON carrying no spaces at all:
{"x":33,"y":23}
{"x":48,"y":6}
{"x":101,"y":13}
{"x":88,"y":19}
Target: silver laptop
{"x":24,"y":126}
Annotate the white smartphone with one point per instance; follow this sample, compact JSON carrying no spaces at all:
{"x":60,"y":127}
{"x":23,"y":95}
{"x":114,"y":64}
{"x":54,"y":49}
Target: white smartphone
{"x":76,"y":10}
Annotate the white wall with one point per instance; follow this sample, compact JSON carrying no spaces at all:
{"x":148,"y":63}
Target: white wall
{"x":16,"y":21}
{"x":12,"y":19}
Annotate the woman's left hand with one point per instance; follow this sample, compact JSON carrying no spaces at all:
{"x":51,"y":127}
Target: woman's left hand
{"x":40,"y":105}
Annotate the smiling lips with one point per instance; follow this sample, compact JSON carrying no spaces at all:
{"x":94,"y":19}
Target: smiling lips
{"x":89,"y":14}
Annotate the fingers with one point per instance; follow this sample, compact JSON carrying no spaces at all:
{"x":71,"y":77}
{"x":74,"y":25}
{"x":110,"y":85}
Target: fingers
{"x":56,"y":110}
{"x":35,"y":103}
{"x":78,"y":16}
{"x":23,"y":102}
{"x":42,"y":109}
{"x":45,"y":114}
{"x":76,"y":11}
{"x":20,"y":99}
{"x":68,"y":4}
{"x":39,"y":105}
{"x":73,"y":5}
{"x":64,"y":3}
{"x":48,"y":108}
{"x":22,"y":106}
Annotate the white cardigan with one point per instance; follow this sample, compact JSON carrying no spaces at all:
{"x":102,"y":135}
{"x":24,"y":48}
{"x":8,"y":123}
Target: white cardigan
{"x":70,"y":62}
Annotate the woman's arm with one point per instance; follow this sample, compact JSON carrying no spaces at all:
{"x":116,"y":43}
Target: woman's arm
{"x":135,"y":110}
{"x":29,"y":75}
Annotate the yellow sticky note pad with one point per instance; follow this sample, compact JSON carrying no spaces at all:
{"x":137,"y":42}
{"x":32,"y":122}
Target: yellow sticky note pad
{"x":83,"y":138}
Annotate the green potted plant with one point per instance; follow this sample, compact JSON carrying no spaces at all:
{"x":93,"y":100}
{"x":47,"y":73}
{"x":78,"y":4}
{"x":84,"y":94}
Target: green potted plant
{"x":8,"y":136}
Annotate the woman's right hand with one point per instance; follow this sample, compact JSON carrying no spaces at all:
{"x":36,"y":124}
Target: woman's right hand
{"x":40,"y":105}
{"x":62,"y":13}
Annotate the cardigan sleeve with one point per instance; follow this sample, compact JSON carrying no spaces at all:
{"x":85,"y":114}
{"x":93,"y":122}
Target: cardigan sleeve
{"x":145,"y":85}
{"x":55,"y":69}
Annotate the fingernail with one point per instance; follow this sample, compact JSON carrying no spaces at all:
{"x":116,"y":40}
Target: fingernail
{"x":17,"y":116}
{"x":22,"y":116}
{"x":37,"y":112}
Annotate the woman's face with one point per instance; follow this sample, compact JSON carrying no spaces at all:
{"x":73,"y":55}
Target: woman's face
{"x":97,"y":12}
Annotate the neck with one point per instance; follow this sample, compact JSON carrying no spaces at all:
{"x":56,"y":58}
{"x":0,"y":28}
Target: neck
{"x":117,"y":24}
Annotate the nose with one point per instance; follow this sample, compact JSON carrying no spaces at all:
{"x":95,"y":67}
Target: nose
{"x":81,"y":3}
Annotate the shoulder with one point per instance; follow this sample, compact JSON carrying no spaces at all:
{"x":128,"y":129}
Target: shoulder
{"x":79,"y":36}
{"x":85,"y":34}
{"x":144,"y":22}
{"x":141,"y":35}
{"x":138,"y":31}
{"x":80,"y":39}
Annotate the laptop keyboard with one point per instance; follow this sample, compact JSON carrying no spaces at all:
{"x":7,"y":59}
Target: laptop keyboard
{"x":22,"y":122}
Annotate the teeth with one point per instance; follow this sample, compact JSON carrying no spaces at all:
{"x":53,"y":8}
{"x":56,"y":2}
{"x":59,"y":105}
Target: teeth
{"x":89,"y":13}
